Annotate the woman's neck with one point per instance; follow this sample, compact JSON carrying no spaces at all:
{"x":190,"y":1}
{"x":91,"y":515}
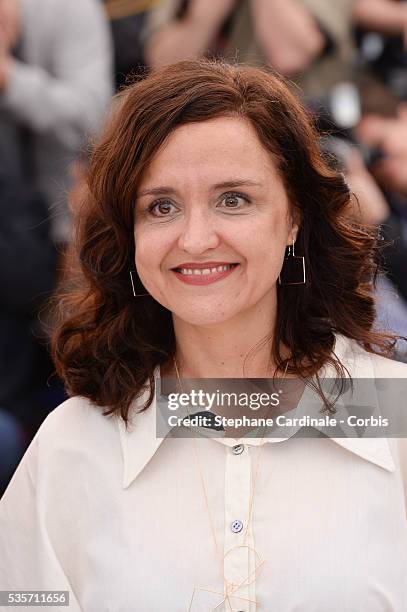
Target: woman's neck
{"x":232,"y":349}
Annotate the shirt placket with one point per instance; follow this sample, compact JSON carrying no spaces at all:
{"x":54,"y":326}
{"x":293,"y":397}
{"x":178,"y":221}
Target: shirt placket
{"x":239,"y":560}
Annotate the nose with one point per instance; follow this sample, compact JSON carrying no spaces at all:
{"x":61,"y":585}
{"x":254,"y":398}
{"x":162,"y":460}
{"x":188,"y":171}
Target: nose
{"x":198,"y":234}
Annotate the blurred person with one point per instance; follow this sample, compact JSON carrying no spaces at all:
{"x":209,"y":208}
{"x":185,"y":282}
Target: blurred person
{"x":28,"y":271}
{"x":381,"y":35}
{"x":12,"y":446}
{"x":392,"y":314}
{"x":389,"y":136}
{"x":55,"y":84}
{"x":178,"y":30}
{"x":127,"y":20}
{"x":385,"y":16}
{"x":308,"y":40}
{"x":186,"y":268}
{"x":370,"y":207}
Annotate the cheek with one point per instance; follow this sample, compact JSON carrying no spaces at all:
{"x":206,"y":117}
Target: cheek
{"x":151,"y":249}
{"x":145,"y":254}
{"x":268,"y":242}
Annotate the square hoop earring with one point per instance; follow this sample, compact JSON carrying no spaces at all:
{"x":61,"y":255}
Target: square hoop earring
{"x":293,"y":270}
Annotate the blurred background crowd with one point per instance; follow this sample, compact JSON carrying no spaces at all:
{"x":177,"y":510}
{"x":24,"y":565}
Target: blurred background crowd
{"x":60,"y":63}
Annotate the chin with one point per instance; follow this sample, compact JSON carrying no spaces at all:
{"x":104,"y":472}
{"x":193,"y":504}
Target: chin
{"x":201,"y":317}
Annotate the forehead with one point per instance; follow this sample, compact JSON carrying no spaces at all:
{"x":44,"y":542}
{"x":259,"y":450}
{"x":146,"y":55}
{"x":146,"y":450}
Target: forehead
{"x":210,"y":150}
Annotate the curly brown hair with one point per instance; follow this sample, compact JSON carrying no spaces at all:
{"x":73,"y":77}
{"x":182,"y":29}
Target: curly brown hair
{"x":106,"y":344}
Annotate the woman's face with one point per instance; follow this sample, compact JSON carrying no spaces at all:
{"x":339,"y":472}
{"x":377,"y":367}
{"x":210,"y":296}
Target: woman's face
{"x":212,"y":223}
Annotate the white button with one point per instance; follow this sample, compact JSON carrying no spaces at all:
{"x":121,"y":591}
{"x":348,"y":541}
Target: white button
{"x":236,"y":526}
{"x":237,"y":449}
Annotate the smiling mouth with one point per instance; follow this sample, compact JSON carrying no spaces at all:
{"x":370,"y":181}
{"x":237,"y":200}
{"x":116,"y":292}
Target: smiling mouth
{"x":205,"y":271}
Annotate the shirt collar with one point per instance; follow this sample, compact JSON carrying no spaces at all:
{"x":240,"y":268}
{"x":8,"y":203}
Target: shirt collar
{"x":360,"y":364}
{"x":139,"y":441}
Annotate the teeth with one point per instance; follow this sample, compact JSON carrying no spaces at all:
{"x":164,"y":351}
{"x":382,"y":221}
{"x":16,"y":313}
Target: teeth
{"x":204,"y":271}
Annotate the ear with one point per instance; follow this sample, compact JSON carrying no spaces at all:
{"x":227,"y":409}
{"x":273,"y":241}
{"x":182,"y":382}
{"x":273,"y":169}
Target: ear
{"x":294,"y":229}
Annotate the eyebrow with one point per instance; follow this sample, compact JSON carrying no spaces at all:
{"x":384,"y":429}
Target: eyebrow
{"x":232,"y":184}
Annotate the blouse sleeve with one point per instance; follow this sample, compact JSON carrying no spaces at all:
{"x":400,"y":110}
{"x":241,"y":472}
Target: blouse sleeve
{"x":28,"y":559}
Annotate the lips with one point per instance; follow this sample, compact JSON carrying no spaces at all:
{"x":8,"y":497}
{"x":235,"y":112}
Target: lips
{"x":203,"y":264}
{"x":203,"y":273}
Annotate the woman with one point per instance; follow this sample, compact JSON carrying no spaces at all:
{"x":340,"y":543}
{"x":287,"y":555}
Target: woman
{"x":209,"y":187}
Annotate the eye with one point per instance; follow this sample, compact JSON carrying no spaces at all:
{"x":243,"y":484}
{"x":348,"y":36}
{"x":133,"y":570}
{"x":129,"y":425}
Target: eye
{"x":162,"y":208}
{"x":234,"y":201}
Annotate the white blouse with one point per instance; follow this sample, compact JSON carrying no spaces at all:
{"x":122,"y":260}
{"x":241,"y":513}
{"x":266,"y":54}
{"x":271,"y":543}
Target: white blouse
{"x":119,"y":518}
